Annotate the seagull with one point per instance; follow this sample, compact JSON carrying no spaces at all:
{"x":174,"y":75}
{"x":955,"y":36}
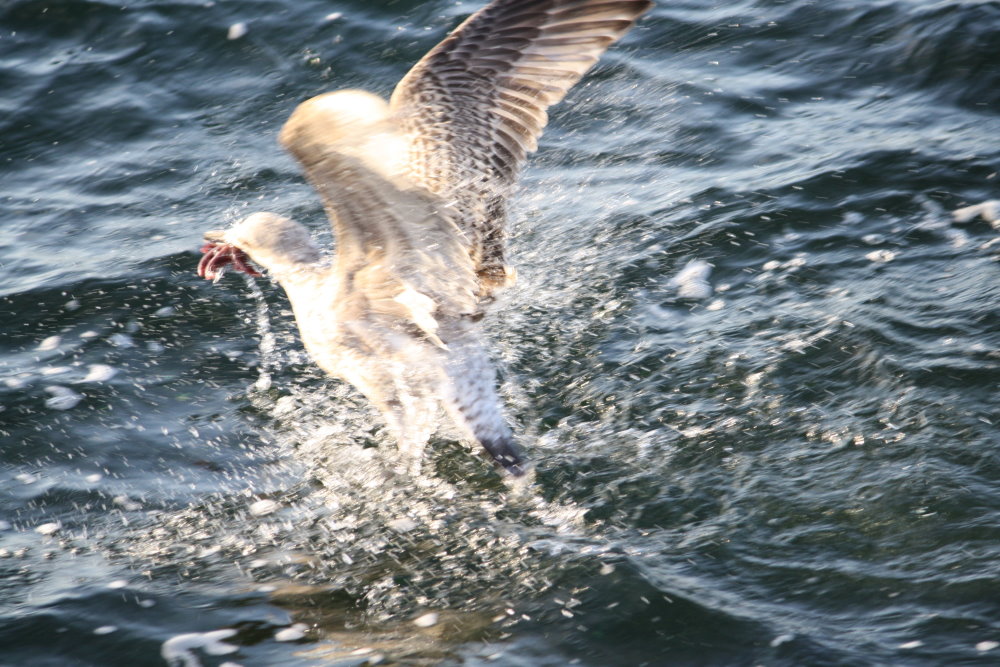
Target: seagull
{"x":416,"y":189}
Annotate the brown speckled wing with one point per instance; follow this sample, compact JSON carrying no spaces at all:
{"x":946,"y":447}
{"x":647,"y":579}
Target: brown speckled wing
{"x":475,"y":106}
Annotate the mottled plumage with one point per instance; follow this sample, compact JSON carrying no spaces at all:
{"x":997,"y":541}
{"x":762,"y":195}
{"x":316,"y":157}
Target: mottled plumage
{"x":415,"y":190}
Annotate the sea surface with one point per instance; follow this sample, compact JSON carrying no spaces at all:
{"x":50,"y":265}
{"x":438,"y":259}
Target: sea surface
{"x":755,"y":358}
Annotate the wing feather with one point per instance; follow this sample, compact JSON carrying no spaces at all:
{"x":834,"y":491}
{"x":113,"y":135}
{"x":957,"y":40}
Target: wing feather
{"x":395,"y":241}
{"x":474,"y":106}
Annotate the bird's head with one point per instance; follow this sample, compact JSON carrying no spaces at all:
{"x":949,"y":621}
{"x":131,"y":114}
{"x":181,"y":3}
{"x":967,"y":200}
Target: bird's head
{"x":273,"y":242}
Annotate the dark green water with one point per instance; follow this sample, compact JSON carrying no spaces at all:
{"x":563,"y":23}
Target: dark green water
{"x":800,"y":468}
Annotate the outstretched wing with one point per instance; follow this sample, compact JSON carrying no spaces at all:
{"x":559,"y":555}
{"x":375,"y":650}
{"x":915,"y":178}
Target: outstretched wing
{"x":475,"y":106}
{"x":399,"y":250}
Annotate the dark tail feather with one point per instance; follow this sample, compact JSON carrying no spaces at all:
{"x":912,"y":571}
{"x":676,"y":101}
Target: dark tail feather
{"x":507,"y":454}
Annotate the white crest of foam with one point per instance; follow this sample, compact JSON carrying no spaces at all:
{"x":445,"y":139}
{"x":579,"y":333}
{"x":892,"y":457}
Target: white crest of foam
{"x":236,"y":31}
{"x":50,"y":528}
{"x":691,"y":282}
{"x":50,"y":343}
{"x":263,"y":507}
{"x":988,"y":210}
{"x":121,"y":340}
{"x":99,"y":373}
{"x":881,"y":256}
{"x":178,"y":651}
{"x":291,"y":634}
{"x":426,"y":620}
{"x":63,"y":398}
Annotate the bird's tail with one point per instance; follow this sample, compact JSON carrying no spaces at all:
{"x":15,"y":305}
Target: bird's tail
{"x":471,"y":399}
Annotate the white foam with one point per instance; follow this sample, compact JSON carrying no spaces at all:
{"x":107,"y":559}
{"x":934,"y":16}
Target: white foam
{"x":988,"y":210}
{"x":16,"y":382}
{"x":691,"y":282}
{"x":427,"y":620}
{"x":121,"y":340}
{"x":178,"y":651}
{"x":105,"y":629}
{"x":403,"y":524}
{"x":99,"y":373}
{"x":63,"y":398}
{"x":291,"y":634}
{"x":48,"y":528}
{"x":50,"y":343}
{"x":263,"y":507}
{"x":881,"y":256}
{"x":127,"y":503}
{"x":237,"y":30}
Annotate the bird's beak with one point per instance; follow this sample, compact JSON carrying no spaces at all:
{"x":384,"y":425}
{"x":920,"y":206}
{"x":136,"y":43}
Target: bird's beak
{"x":215,"y":235}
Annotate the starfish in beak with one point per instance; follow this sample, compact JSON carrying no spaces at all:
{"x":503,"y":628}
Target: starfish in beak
{"x":219,"y":255}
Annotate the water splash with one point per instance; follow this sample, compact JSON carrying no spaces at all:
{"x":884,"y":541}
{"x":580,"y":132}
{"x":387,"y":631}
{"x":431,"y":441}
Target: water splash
{"x":269,"y":359}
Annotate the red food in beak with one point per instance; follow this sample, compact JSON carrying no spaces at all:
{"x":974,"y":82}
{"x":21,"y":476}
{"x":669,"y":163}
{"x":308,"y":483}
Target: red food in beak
{"x":220,"y":255}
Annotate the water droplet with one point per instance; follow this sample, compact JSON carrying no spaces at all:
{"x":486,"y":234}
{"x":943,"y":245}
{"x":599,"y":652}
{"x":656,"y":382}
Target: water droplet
{"x":121,"y":340}
{"x":50,"y":343}
{"x":63,"y":398}
{"x":403,"y":524}
{"x":263,"y":507}
{"x":99,"y":373}
{"x":48,"y":528}
{"x":427,"y":620}
{"x":291,"y":634}
{"x":236,"y":31}
{"x":881,"y":256}
{"x":691,"y":282}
